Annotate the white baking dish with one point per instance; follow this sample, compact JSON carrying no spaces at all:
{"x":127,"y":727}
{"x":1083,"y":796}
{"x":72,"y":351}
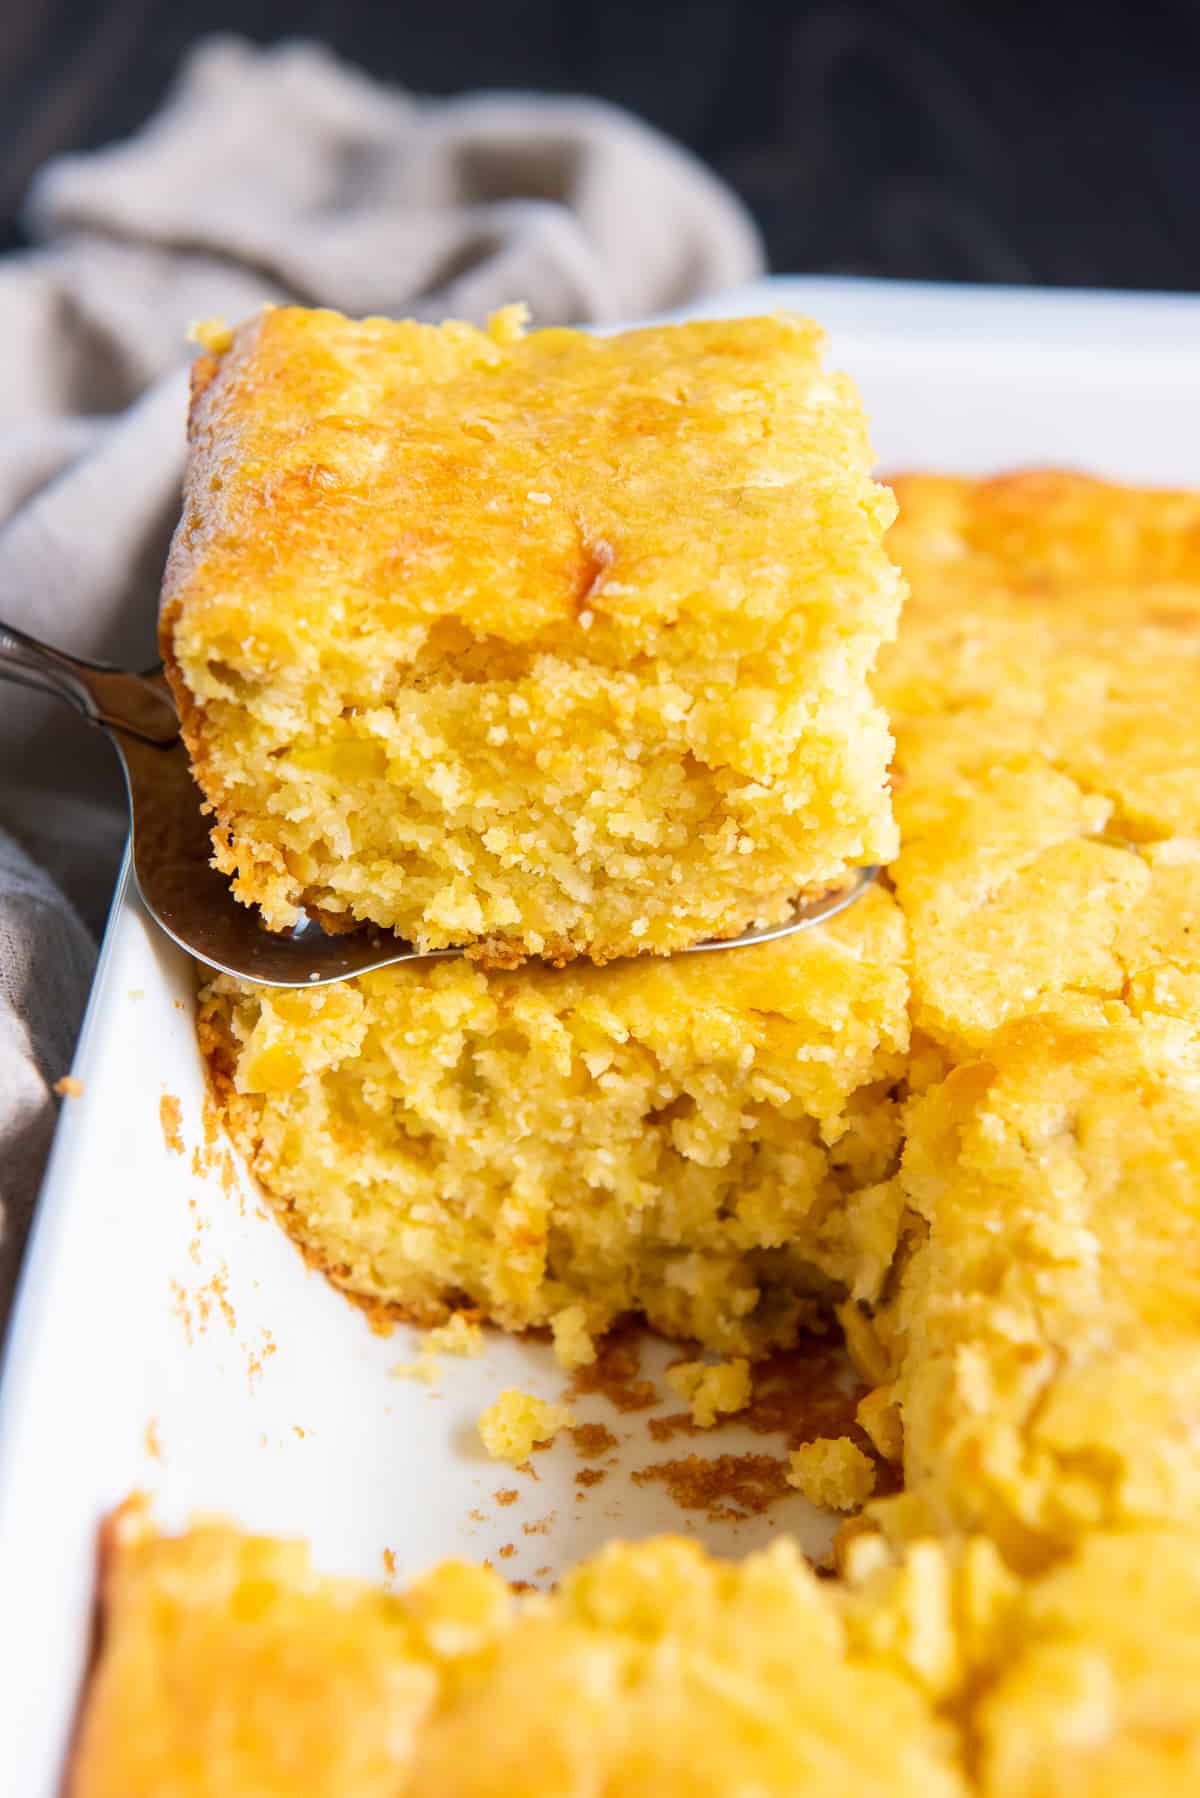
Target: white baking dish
{"x":169,"y":1338}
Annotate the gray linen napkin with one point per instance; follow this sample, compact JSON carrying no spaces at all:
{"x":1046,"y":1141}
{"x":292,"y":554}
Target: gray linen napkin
{"x":274,"y":174}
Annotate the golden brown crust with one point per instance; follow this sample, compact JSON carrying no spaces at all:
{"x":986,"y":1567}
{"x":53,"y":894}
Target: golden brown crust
{"x":1042,"y":535}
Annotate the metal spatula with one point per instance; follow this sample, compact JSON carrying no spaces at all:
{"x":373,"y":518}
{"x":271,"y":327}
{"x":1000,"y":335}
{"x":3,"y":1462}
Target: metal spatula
{"x":172,"y":849}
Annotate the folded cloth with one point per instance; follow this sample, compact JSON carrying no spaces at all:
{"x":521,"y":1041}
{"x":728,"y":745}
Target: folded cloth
{"x":269,"y":175}
{"x":46,"y":959}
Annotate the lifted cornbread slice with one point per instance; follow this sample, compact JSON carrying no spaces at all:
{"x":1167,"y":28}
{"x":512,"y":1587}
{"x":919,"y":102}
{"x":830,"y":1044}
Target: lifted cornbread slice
{"x":676,"y":1138}
{"x":228,"y":1667}
{"x":544,"y":644}
{"x":1044,"y":1325}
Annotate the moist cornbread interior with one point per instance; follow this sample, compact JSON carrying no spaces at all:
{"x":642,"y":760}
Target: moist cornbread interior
{"x":544,"y":644}
{"x":228,"y":1665}
{"x":965,"y":1116}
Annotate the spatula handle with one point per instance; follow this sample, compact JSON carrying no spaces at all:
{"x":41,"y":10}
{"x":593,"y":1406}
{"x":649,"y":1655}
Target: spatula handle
{"x":110,"y":697}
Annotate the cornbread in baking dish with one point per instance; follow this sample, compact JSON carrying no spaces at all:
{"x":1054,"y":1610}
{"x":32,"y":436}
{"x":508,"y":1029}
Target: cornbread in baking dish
{"x":965,"y":1115}
{"x":544,"y":644}
{"x":1038,"y":1338}
{"x":227,"y":1665}
{"x":677,"y":1137}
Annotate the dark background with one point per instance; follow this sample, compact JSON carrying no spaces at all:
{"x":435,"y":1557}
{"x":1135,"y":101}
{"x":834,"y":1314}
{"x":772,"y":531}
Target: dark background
{"x":1050,"y":143}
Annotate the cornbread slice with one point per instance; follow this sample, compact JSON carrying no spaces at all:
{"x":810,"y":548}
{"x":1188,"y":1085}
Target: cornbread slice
{"x":678,"y":1138}
{"x":548,"y":645}
{"x":1104,"y":1693}
{"x":228,"y":1666}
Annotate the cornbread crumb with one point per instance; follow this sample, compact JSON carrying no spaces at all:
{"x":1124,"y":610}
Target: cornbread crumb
{"x":616,"y":1373}
{"x":574,"y":1344}
{"x":548,"y":644}
{"x":170,"y":1117}
{"x":68,"y":1087}
{"x":727,"y":1488}
{"x":592,"y":1439}
{"x":517,"y":1420}
{"x":832,"y":1472}
{"x":712,"y":1390}
{"x":459,"y":1335}
{"x":424,"y":1369}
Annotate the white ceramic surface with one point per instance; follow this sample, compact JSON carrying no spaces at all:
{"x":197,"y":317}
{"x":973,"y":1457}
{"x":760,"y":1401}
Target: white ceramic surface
{"x":169,"y":1338}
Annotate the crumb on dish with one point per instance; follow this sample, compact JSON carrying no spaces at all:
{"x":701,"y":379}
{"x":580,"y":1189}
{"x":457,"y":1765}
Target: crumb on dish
{"x":459,"y":1335}
{"x":574,"y":1343}
{"x":712,"y":1390}
{"x":832,"y":1472}
{"x":516,"y":1422}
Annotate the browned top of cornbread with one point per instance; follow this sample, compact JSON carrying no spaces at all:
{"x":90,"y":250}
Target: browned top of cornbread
{"x":1044,"y":693}
{"x":381,"y":492}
